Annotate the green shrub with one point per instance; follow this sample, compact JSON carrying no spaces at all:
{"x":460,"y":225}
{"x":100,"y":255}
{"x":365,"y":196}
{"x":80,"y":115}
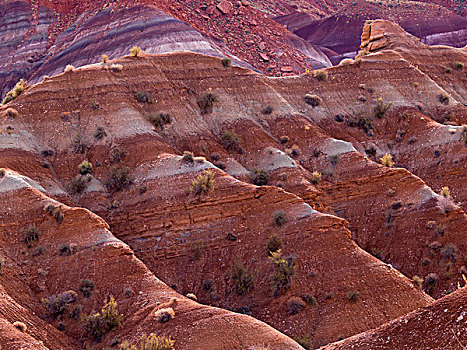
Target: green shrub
{"x":150,"y":342}
{"x":334,"y":159}
{"x":15,"y":92}
{"x":143,"y":97}
{"x":386,"y":160}
{"x":284,"y":139}
{"x":230,"y":140}
{"x":86,"y":287}
{"x":316,"y":178}
{"x":85,"y":167}
{"x":226,"y":62}
{"x":365,"y":123}
{"x":242,"y":278}
{"x":312,"y":100}
{"x":57,"y":304}
{"x":449,"y":252}
{"x":381,"y":108}
{"x":309,"y":299}
{"x":443,"y":98}
{"x":203,"y":183}
{"x":65,"y":249}
{"x":79,"y":144}
{"x":259,"y":177}
{"x":117,"y":156}
{"x":305,"y":342}
{"x":31,"y":235}
{"x":353,"y":296}
{"x":430,"y":282}
{"x":321,"y":75}
{"x":295,"y":305}
{"x":135,"y":51}
{"x":206,"y":102}
{"x":274,"y":243}
{"x":100,"y":133}
{"x":284,"y":270}
{"x":160,"y":120}
{"x":11,"y":112}
{"x":99,"y":323}
{"x":198,"y":250}
{"x":118,"y":179}
{"x":458,"y":66}
{"x":279,"y":218}
{"x":445,"y":192}
{"x":78,"y":184}
{"x":418,"y":281}
{"x":164,"y":315}
{"x":55,"y":212}
{"x":188,"y":158}
{"x":267,"y":110}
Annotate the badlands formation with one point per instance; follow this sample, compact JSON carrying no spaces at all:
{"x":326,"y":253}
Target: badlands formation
{"x":234,"y":183}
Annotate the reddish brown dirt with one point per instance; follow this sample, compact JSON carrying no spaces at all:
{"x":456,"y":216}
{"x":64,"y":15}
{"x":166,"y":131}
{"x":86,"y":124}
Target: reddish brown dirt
{"x":445,"y":320}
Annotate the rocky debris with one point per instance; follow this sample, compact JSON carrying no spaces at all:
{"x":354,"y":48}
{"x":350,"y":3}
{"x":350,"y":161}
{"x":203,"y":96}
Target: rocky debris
{"x":225,"y":7}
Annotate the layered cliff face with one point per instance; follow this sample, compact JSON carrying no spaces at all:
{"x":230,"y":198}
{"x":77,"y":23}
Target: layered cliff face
{"x":159,"y":225}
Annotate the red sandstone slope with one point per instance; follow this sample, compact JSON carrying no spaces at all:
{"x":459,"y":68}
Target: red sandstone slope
{"x":95,"y":254}
{"x":442,"y":325}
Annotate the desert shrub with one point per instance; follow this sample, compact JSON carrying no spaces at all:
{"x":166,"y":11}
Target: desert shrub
{"x":79,"y":144}
{"x":365,"y":123}
{"x":143,"y":96}
{"x":316,"y":178}
{"x":164,"y":315}
{"x":2,"y":262}
{"x":85,"y":167}
{"x":312,"y":100}
{"x":449,"y":252}
{"x":55,"y":212}
{"x":321,"y":75}
{"x":15,"y":92}
{"x":381,"y":108}
{"x":20,"y":326}
{"x":39,"y":251}
{"x":284,"y":139}
{"x":203,"y":183}
{"x":443,"y":98}
{"x":274,"y":243}
{"x":11,"y":112}
{"x":99,"y":323}
{"x":78,"y":184}
{"x":76,"y":312}
{"x":329,"y":296}
{"x":305,"y":342}
{"x":160,"y":120}
{"x":445,"y":192}
{"x":353,"y":296}
{"x":458,"y":66}
{"x":281,"y":278}
{"x":430,"y":282}
{"x":64,"y":249}
{"x":334,"y":159}
{"x":188,"y":157}
{"x":117,"y":156}
{"x":69,"y":68}
{"x":31,"y":235}
{"x":57,"y":304}
{"x":135,"y":51}
{"x":118,"y":179}
{"x":206,"y":102}
{"x":208,"y":285}
{"x":267,"y":110}
{"x":309,"y":299}
{"x":150,"y":342}
{"x":100,"y":133}
{"x":418,"y":281}
{"x":116,"y":67}
{"x":279,"y":218}
{"x":259,"y":177}
{"x":230,"y":140}
{"x":464,"y":135}
{"x":2,"y":172}
{"x":104,"y":58}
{"x":198,"y":250}
{"x":86,"y":287}
{"x":242,"y":278}
{"x":295,"y":305}
{"x":226,"y":62}
{"x":377,"y":253}
{"x":386,"y":160}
